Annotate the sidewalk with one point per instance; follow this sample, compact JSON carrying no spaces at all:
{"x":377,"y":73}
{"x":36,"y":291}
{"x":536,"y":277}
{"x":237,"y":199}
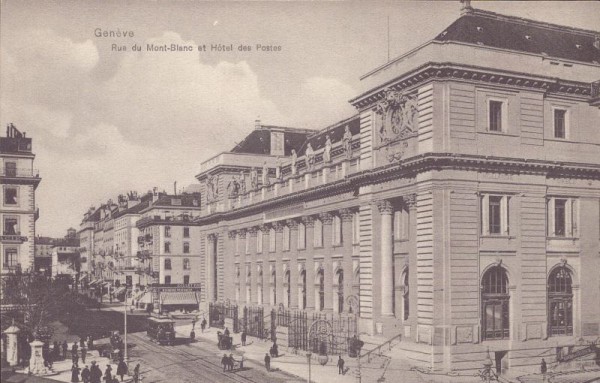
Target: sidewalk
{"x":255,"y":350}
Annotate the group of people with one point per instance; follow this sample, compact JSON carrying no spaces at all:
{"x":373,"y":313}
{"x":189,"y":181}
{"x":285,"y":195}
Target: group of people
{"x":228,"y":362}
{"x":60,"y":351}
{"x":94,"y":374}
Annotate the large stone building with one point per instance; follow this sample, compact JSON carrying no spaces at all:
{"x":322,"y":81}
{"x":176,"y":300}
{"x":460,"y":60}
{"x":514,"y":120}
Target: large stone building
{"x":19,"y":180}
{"x":458,"y":208}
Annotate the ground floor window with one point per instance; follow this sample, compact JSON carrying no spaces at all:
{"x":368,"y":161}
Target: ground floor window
{"x":495,"y":304}
{"x":560,"y":302}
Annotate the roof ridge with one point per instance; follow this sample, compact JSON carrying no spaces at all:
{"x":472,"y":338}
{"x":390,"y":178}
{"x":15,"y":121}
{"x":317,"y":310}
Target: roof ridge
{"x":522,"y":20}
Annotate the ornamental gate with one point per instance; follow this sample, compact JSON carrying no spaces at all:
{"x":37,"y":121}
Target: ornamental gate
{"x":218,"y":311}
{"x":332,"y":334}
{"x":253,"y":321}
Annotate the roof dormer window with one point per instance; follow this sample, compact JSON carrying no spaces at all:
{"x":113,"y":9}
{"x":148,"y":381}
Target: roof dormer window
{"x":528,"y":37}
{"x":578,"y":46}
{"x":479,"y":29}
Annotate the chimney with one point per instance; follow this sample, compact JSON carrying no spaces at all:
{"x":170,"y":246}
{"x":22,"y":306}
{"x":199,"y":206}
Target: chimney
{"x":257,"y":124}
{"x":465,"y":7}
{"x":175,"y":188}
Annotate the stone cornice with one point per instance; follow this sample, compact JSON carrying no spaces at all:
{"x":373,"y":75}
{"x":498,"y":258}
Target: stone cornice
{"x":409,"y":167}
{"x":461,"y":72}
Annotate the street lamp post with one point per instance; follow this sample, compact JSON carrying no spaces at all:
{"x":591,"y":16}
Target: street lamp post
{"x":125,"y":332}
{"x":308,"y":356}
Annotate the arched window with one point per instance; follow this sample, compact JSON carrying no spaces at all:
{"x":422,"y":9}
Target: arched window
{"x":405,"y":297}
{"x":288,"y":288}
{"x":303,"y":287}
{"x":340,"y":292}
{"x":495,"y":299}
{"x":560,"y":302}
{"x":321,"y":279}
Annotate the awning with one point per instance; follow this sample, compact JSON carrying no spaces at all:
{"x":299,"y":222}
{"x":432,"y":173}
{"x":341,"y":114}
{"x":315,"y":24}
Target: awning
{"x":119,"y":291}
{"x":94,"y":282}
{"x":84,"y":277}
{"x":145,"y":298}
{"x":178,"y":298}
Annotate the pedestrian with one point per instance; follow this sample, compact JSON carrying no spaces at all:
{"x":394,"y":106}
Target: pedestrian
{"x":192,"y":335}
{"x":122,"y":369}
{"x":243,"y":338}
{"x":65,"y":347}
{"x":74,"y":349}
{"x":224,"y":361}
{"x":75,"y":359}
{"x":95,"y":373}
{"x":90,"y":342}
{"x":85,"y":374}
{"x":543,"y":367}
{"x":203,"y":324}
{"x":194,"y":322}
{"x":75,"y":373}
{"x":226,"y":332}
{"x":340,"y":364}
{"x":268,"y":362}
{"x":108,"y":374}
{"x":136,"y":373}
{"x":81,"y":342}
{"x":56,"y":351}
{"x":83,"y":353}
{"x":242,"y":362}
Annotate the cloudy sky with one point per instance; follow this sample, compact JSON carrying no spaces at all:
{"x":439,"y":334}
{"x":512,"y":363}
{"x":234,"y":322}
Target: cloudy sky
{"x":104,"y":122}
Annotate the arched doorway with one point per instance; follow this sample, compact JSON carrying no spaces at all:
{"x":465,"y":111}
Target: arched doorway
{"x":560,"y":302}
{"x":495,"y":304}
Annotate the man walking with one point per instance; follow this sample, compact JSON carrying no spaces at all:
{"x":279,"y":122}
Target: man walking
{"x":83,"y":354}
{"x":203,"y":324}
{"x":224,"y":362}
{"x":340,"y":364}
{"x":65,"y":347}
{"x":85,"y":374}
{"x":95,"y":373}
{"x":243,"y":338}
{"x":268,"y":362}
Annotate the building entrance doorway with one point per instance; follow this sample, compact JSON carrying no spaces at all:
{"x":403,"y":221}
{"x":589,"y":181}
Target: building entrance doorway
{"x":501,"y":361}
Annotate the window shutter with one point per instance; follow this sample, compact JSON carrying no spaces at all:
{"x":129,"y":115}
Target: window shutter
{"x":504,"y":215}
{"x":485,"y":214}
{"x":569,"y":218}
{"x":551,"y":225}
{"x":575,"y":209}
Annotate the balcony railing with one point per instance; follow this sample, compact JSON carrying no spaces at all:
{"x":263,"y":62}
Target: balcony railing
{"x":19,"y":172}
{"x":13,"y":237}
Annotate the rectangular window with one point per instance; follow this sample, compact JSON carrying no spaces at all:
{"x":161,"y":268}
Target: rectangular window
{"x":186,"y":279}
{"x":10,"y":257}
{"x":247,"y":243}
{"x":272,"y":240}
{"x":167,"y":279}
{"x":259,"y":241}
{"x":560,"y":123}
{"x":401,"y":224}
{"x":301,"y":236}
{"x":495,"y":116}
{"x":563,"y":217}
{"x":495,"y":214}
{"x":10,"y":169}
{"x":286,"y":238}
{"x":186,"y":232}
{"x":318,"y":233}
{"x":11,"y":225}
{"x":167,"y":231}
{"x":186,"y":263}
{"x":167,"y":264}
{"x":355,"y":228}
{"x":186,"y":248}
{"x":11,"y":195}
{"x":336,"y":226}
{"x":167,"y":247}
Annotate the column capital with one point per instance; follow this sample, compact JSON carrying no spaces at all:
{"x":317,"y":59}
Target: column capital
{"x":292,"y":223}
{"x":346,"y":215}
{"x":278,"y":226}
{"x":264,"y":227}
{"x":242,"y":232}
{"x":232,"y":234}
{"x":309,"y":221}
{"x":252,"y":230}
{"x":384,"y":206}
{"x":212,"y":236}
{"x":326,"y":218}
{"x":410,"y":200}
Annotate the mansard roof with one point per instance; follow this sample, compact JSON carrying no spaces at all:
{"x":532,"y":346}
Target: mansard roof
{"x":335,"y":132}
{"x":259,"y":140}
{"x":513,"y":33}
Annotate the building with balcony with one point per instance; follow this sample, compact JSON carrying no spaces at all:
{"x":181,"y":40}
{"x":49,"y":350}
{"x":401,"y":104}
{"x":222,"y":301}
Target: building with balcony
{"x":19,"y":180}
{"x":460,"y":207}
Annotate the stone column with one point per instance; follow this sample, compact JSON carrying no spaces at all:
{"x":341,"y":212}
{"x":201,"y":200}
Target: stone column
{"x":12,"y":345}
{"x":309,"y":223}
{"x":387,"y":261}
{"x":347,"y":216}
{"x":293,"y":264}
{"x":327,"y":220}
